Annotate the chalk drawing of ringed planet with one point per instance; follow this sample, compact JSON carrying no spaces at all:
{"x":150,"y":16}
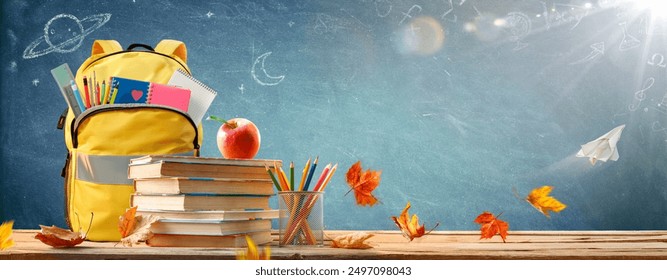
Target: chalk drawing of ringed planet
{"x":270,"y":80}
{"x":64,"y":33}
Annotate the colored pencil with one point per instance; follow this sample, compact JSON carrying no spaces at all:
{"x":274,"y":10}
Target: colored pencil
{"x":96,"y":89}
{"x":86,"y":92}
{"x":323,"y":176}
{"x":97,"y":93}
{"x":310,"y":175}
{"x":77,"y":95}
{"x":113,"y":95}
{"x":326,"y":181}
{"x":281,"y":177}
{"x":303,"y":176}
{"x":291,"y":176}
{"x":108,"y":93}
{"x":273,"y":178}
{"x":104,"y":93}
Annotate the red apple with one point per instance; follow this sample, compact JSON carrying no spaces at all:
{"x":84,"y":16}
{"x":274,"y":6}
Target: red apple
{"x":238,"y":138}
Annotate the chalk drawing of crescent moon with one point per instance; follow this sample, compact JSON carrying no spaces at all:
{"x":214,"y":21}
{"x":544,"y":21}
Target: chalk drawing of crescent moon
{"x":273,"y":80}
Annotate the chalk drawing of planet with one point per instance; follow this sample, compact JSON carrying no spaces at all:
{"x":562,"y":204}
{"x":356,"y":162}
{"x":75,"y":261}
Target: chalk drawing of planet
{"x":64,"y":33}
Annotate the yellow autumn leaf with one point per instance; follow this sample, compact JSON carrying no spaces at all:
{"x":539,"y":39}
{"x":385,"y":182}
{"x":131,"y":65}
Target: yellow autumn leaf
{"x":544,"y":203}
{"x":355,"y":240}
{"x":6,"y":240}
{"x":140,"y":231}
{"x":252,"y":253}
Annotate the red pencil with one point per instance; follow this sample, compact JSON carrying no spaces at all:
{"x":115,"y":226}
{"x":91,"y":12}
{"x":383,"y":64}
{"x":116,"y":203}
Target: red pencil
{"x":85,"y":89}
{"x":323,"y":176}
{"x":97,"y":93}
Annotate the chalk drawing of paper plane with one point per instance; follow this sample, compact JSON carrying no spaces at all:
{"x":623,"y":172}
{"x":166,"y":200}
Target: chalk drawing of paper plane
{"x":603,"y":148}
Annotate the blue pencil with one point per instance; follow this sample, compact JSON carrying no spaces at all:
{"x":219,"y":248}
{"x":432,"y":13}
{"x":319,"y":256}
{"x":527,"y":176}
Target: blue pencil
{"x":77,"y":95}
{"x":310,"y":175}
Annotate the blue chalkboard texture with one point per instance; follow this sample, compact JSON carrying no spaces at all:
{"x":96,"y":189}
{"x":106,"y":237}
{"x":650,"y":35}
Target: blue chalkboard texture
{"x":465,"y":106}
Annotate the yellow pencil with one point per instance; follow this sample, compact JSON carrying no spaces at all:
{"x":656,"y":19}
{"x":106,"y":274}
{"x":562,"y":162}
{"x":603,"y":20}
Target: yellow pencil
{"x":305,"y":173}
{"x":281,"y":177}
{"x":107,"y":94}
{"x":113,"y":95}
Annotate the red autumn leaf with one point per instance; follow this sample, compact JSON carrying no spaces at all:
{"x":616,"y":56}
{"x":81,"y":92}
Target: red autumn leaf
{"x":363,"y":183}
{"x":127,"y":222}
{"x":491,"y":226}
{"x":59,"y":237}
{"x":353,"y":174}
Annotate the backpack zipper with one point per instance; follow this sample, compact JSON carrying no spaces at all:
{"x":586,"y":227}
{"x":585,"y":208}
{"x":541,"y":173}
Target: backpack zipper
{"x":105,"y":108}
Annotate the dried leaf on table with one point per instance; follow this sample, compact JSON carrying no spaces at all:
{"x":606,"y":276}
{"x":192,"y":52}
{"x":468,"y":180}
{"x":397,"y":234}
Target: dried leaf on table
{"x":6,"y":239}
{"x":410,"y":227}
{"x":355,"y":240}
{"x":544,"y":203}
{"x":141,"y":230}
{"x":363,"y":183}
{"x":491,"y":226}
{"x":251,"y":253}
{"x":59,"y":237}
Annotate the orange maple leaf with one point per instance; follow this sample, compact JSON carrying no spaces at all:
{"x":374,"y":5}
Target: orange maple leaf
{"x":544,"y":203}
{"x":363,"y":183}
{"x":60,"y":237}
{"x":127,"y":222}
{"x":492,"y":225}
{"x":410,"y":227}
{"x":6,"y":239}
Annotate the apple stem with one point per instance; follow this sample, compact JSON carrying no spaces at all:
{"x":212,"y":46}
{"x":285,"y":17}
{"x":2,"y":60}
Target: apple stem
{"x":211,"y":117}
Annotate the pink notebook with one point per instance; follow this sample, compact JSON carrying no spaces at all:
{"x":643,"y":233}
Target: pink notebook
{"x":172,"y":96}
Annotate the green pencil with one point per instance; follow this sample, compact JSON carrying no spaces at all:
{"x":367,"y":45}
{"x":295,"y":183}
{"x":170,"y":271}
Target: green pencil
{"x":273,"y":178}
{"x":291,"y":176}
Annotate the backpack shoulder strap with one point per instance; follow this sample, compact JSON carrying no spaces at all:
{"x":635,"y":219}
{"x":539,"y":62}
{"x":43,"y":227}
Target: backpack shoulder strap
{"x":105,"y":46}
{"x":173,"y":47}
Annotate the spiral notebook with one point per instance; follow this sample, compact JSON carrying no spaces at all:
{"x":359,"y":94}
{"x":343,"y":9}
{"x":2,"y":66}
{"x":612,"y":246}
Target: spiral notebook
{"x":201,"y":96}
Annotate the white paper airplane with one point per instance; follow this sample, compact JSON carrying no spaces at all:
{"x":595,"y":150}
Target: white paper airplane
{"x":603,"y":148}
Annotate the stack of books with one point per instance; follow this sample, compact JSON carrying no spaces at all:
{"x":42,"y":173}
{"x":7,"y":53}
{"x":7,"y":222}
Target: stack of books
{"x":204,"y":202}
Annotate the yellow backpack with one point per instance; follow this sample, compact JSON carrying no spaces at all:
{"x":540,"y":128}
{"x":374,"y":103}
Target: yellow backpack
{"x":102,"y":139}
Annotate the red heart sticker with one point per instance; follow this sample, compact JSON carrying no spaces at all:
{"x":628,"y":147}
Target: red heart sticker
{"x":137,"y":94}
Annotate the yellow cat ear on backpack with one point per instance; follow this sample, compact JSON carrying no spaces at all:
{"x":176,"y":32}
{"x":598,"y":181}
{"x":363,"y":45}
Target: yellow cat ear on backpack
{"x":105,"y":46}
{"x":173,"y":48}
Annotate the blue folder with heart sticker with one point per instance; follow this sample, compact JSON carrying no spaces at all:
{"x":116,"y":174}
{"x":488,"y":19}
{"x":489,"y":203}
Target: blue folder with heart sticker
{"x":130,"y":91}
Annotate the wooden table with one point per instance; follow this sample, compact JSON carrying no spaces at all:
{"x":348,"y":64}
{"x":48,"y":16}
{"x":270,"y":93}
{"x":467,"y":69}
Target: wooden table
{"x":462,"y":245}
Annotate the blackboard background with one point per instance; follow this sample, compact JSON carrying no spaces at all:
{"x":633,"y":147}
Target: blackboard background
{"x":505,"y":102}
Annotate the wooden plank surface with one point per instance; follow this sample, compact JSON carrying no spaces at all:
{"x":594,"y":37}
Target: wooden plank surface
{"x":464,"y":245}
